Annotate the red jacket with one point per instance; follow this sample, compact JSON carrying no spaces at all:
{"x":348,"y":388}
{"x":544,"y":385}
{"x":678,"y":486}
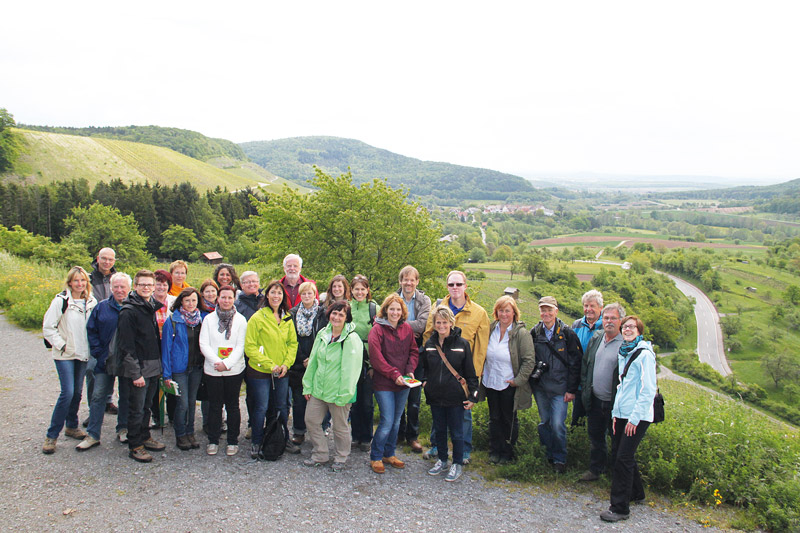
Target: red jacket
{"x":296,"y":300}
{"x":392,"y":353}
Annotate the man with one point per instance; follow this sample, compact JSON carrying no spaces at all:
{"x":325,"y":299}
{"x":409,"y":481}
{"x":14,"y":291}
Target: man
{"x":100,"y":329}
{"x":557,"y":346}
{"x":292,"y":264}
{"x":419,"y":307}
{"x":100,"y":278}
{"x":139,"y":343}
{"x":474,"y":324}
{"x":586,"y":327}
{"x":249,"y":300}
{"x":598,"y":368}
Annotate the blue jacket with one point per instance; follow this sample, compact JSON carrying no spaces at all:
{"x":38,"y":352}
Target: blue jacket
{"x":636,"y":392}
{"x":584,"y":331}
{"x":100,"y":329}
{"x":175,"y":347}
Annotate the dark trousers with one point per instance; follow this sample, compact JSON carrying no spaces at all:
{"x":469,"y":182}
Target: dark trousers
{"x":452,"y":419}
{"x":598,"y":425}
{"x":409,"y":420}
{"x":224,"y":390}
{"x":139,"y":401}
{"x":362,"y":412}
{"x":626,"y":482}
{"x":503,"y":422}
{"x":578,"y":411}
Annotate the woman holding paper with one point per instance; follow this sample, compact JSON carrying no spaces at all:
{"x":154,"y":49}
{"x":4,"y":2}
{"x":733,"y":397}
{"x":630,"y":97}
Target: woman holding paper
{"x":393,"y":353}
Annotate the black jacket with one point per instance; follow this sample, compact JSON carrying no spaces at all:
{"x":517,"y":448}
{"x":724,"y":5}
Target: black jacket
{"x":441,"y":387}
{"x":138,"y":337}
{"x":304,"y":346}
{"x":248,"y":304}
{"x":101,"y":285}
{"x":559,"y":378}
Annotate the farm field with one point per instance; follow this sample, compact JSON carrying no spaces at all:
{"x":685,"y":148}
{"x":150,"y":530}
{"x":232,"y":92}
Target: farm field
{"x":602,"y":240}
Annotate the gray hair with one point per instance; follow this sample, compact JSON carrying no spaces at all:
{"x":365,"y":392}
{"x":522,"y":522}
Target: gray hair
{"x":290,"y":256}
{"x":593,"y":294}
{"x":121,"y":275}
{"x":247,"y":274}
{"x":616,"y":306}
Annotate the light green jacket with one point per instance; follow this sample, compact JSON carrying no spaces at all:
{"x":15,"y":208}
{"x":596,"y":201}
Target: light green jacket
{"x":334,"y":367}
{"x":269,"y":344}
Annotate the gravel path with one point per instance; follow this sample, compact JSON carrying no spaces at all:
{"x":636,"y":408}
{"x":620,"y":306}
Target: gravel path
{"x":103,"y":490}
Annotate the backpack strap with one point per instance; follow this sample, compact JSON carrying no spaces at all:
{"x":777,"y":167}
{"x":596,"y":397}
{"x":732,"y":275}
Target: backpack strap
{"x":65,"y":303}
{"x":634,"y":355}
{"x":373,"y":310}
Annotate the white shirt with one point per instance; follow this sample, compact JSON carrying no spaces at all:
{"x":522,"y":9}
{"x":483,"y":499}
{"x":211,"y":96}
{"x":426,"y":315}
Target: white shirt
{"x":497,"y":368}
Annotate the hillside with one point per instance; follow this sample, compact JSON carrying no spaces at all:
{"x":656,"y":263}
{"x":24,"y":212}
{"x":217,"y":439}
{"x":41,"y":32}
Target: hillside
{"x":746,"y":193}
{"x":294,"y":159}
{"x":48,"y":157}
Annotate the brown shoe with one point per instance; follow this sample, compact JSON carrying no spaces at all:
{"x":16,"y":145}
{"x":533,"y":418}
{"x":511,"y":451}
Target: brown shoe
{"x":298,"y":439}
{"x":140,"y":454}
{"x":193,"y":441}
{"x":416,"y":447}
{"x":75,"y":433}
{"x":394,"y":461}
{"x":49,"y":446}
{"x":183,"y":443}
{"x":153,"y":445}
{"x":377,"y":467}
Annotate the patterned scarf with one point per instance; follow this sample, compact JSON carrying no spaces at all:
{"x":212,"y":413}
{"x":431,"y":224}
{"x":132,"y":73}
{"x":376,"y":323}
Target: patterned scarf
{"x":627,"y":347}
{"x":225,"y":321}
{"x":305,"y":319}
{"x":191,"y":319}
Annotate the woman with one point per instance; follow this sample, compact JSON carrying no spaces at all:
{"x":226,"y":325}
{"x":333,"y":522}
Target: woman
{"x":509,"y":362}
{"x":393,"y":353}
{"x":64,"y":329}
{"x":225,"y":274}
{"x":307,"y":317}
{"x":271,"y":347}
{"x":364,"y":310}
{"x":209,"y":290}
{"x":444,"y":391}
{"x":163,"y":296}
{"x":630,"y":417}
{"x":338,"y":289}
{"x":182,"y":361}
{"x":222,"y":344}
{"x":178,"y":270}
{"x":330,"y":383}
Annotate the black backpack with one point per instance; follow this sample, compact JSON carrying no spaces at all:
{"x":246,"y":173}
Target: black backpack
{"x":274,"y":443}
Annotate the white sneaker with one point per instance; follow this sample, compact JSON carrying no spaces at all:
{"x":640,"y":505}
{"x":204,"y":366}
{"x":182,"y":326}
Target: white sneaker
{"x":454,"y":473}
{"x":212,"y":449}
{"x":438,"y":468}
{"x":87,"y":443}
{"x":232,"y":449}
{"x":122,"y":435}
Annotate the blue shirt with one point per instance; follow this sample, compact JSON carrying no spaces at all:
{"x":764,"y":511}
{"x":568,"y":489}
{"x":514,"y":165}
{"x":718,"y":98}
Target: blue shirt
{"x":412,"y":315}
{"x":549,"y":332}
{"x":457,"y":310}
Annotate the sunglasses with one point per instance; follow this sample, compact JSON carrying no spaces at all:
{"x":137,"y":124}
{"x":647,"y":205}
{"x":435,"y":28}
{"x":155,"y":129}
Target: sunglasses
{"x":455,"y":284}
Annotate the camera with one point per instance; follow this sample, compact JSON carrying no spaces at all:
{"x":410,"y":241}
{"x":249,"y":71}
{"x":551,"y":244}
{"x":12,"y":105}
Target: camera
{"x":538,"y":370}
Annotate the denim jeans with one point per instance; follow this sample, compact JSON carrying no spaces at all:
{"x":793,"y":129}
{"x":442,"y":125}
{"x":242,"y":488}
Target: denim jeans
{"x":90,"y":383}
{"x":598,"y":425}
{"x":409,"y":420}
{"x":70,"y":375}
{"x":553,"y":425}
{"x":361,"y":412}
{"x":444,"y":419}
{"x":262,"y":393}
{"x":103,"y":384}
{"x":390,"y":406}
{"x":467,"y":431}
{"x":188,"y":383}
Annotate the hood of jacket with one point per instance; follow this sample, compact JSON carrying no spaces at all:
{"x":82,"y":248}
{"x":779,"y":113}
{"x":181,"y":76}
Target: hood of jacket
{"x":384,"y":322}
{"x":135,"y":300}
{"x":327,"y":332}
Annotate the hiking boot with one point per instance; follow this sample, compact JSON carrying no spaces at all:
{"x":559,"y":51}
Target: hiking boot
{"x":438,"y":468}
{"x":559,"y":468}
{"x":75,"y":433}
{"x":122,"y":435}
{"x":589,"y":476}
{"x":433,"y":453}
{"x":377,"y":467}
{"x":111,"y":408}
{"x":254,"y":450}
{"x":49,"y":446}
{"x":394,"y":461}
{"x":183,"y":443}
{"x":291,"y":447}
{"x":193,"y":441}
{"x":610,"y":516}
{"x":299,"y":439}
{"x":140,"y":454}
{"x":416,"y":447}
{"x":231,"y":449}
{"x":312,"y":463}
{"x":365,"y":446}
{"x":85,"y":444}
{"x":454,"y":473}
{"x":153,"y":445}
{"x":337,"y":466}
{"x":494,"y":458}
{"x":212,"y":449}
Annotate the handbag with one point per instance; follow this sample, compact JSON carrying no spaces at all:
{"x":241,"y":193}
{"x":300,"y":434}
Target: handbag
{"x":658,"y":400}
{"x":452,"y":370}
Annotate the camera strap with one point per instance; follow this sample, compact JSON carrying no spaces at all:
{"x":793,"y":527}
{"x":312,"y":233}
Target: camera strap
{"x":461,"y":380}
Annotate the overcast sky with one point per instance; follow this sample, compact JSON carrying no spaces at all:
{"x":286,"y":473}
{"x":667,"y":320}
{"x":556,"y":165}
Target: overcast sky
{"x":692,"y":88}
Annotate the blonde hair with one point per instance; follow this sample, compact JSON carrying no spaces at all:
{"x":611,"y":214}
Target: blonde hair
{"x":505,"y":301}
{"x":307,"y":286}
{"x":444,"y":312}
{"x":178,"y":263}
{"x":75,"y":272}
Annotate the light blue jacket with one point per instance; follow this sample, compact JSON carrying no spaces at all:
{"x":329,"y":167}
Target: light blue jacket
{"x":635,"y":394}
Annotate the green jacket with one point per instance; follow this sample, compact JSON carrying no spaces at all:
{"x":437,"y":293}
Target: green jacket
{"x":334,"y":367}
{"x":523,"y":360}
{"x":269,"y":344}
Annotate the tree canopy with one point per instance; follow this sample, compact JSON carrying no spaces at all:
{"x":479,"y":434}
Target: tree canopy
{"x":98,"y":226}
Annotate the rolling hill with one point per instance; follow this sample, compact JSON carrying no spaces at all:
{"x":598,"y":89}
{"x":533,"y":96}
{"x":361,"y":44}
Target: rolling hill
{"x":294,"y":159}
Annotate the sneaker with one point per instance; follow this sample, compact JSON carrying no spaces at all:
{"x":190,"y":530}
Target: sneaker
{"x":433,"y":453}
{"x":212,"y":449}
{"x":454,"y":473}
{"x":337,"y":466}
{"x":111,"y":408}
{"x":153,"y":445}
{"x":49,"y":446}
{"x":394,"y":462}
{"x":589,"y":476}
{"x":248,"y":434}
{"x":122,"y":435}
{"x":183,"y":443}
{"x":365,"y":446}
{"x":291,"y":447}
{"x":140,"y":454}
{"x":87,"y":443}
{"x":465,"y":460}
{"x":377,"y":467}
{"x":311,"y":462}
{"x":300,"y":439}
{"x":610,"y":516}
{"x":193,"y":441}
{"x":254,"y":451}
{"x":75,"y":433}
{"x":438,"y":468}
{"x":231,"y":449}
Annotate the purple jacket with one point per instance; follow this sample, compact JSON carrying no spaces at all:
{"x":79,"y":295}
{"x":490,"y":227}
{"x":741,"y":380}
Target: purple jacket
{"x":392,"y":353}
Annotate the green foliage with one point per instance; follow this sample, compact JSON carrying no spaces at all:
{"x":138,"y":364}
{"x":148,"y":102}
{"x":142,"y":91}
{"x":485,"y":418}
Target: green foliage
{"x":793,"y":294}
{"x":24,"y":244}
{"x":477,"y":255}
{"x":9,"y":143}
{"x":780,"y":367}
{"x":27,"y":288}
{"x":503,"y":253}
{"x":533,"y":264}
{"x":369,"y":229}
{"x":178,"y":242}
{"x":98,"y":226}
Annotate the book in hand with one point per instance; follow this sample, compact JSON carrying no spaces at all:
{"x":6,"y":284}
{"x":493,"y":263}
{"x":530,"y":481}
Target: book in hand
{"x":224,"y":353}
{"x":411,"y":382}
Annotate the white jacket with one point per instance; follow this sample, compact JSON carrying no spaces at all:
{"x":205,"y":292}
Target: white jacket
{"x":67,"y":331}
{"x":211,"y":340}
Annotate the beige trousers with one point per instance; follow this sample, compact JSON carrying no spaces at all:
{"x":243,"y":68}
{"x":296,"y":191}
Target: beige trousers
{"x":316,"y":410}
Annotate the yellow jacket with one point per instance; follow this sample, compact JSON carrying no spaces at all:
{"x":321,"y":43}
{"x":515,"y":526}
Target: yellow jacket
{"x":474,"y":324}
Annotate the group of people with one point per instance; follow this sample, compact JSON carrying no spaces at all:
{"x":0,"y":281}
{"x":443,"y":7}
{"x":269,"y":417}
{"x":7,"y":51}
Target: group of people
{"x":326,"y":356}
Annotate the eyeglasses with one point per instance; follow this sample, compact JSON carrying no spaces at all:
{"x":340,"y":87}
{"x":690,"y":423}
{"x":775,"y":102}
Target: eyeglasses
{"x":629,"y":325}
{"x":146,"y":285}
{"x":455,"y":284}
